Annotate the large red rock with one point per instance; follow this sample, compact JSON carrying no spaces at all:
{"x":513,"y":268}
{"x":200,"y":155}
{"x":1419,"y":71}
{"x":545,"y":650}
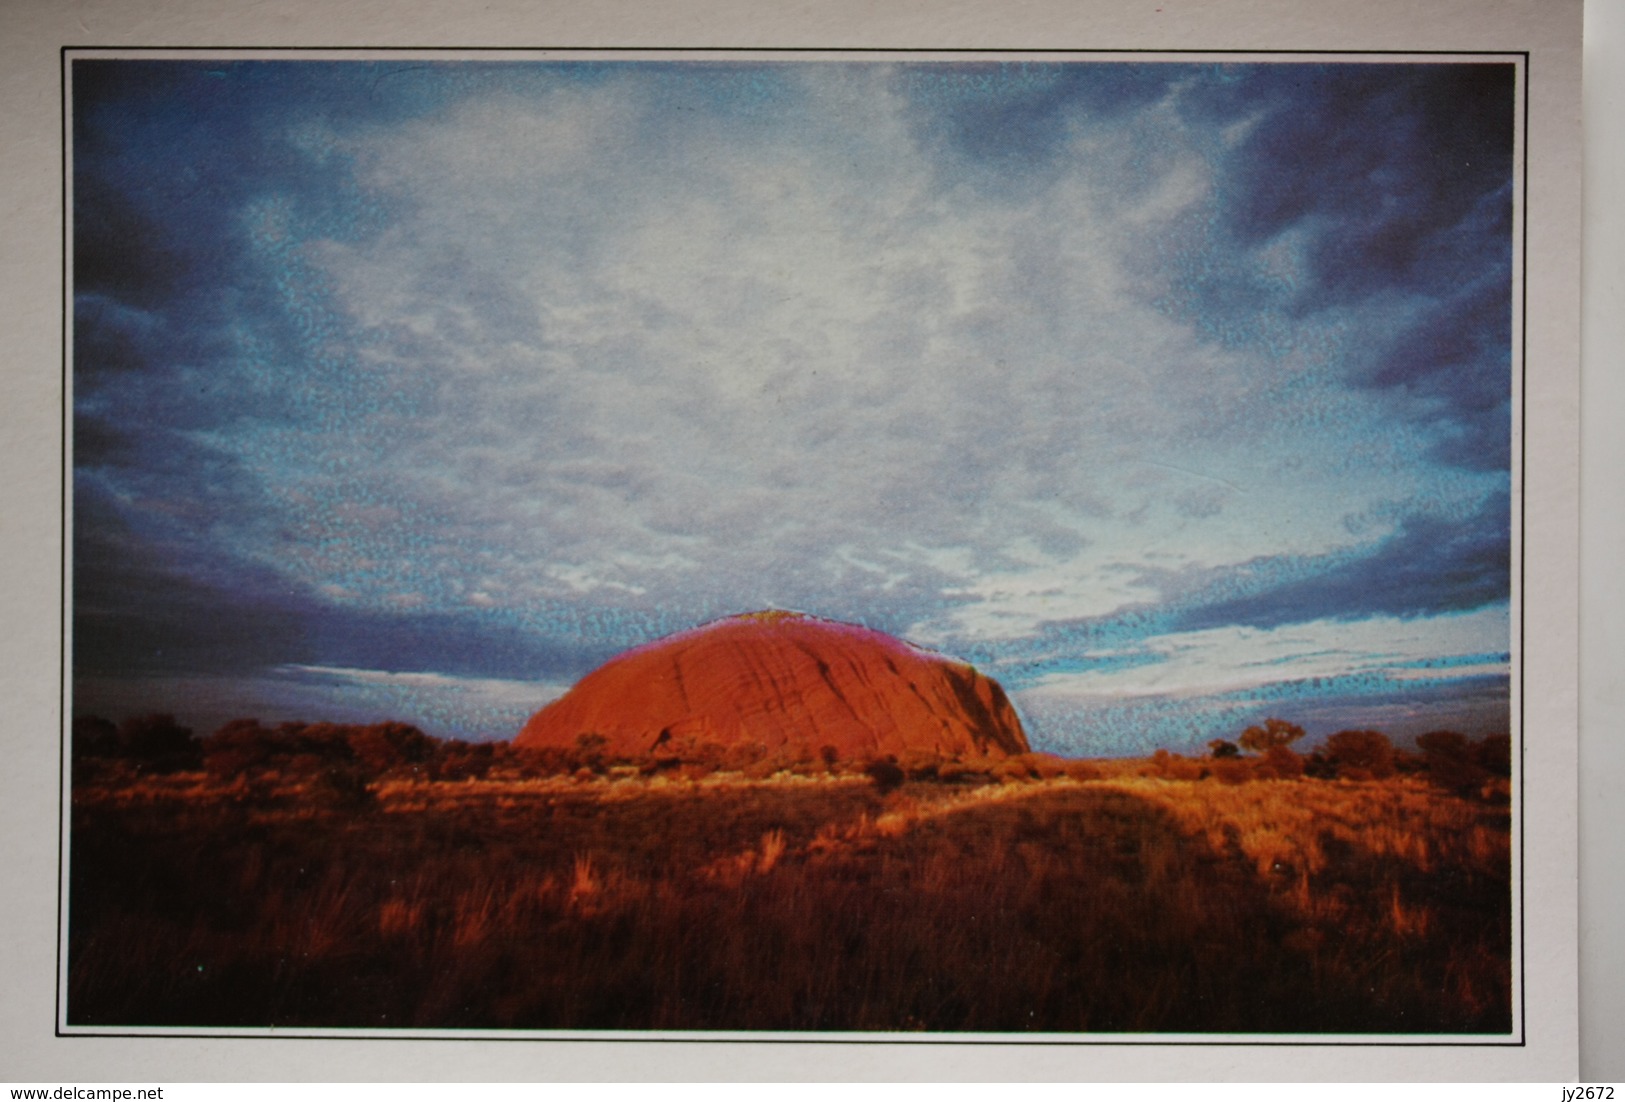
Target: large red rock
{"x":783,"y":680}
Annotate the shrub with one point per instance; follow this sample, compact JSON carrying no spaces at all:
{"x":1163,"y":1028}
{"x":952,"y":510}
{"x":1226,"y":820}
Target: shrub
{"x":886,"y":774}
{"x":243,"y":747}
{"x":1452,"y":762}
{"x":1318,"y":766}
{"x":94,"y":737}
{"x":534,"y":761}
{"x":1223,"y":748}
{"x":1013,"y":769}
{"x":1361,"y":755}
{"x":239,"y":747}
{"x":1494,"y":754}
{"x":1443,"y":744}
{"x":1083,"y":771}
{"x":589,"y":752}
{"x":1176,"y":767}
{"x":738,"y":757}
{"x":459,"y":760}
{"x":1272,"y":732}
{"x":1044,"y":766}
{"x":1281,"y":763}
{"x":94,"y":746}
{"x":342,"y":787}
{"x":920,"y":765}
{"x":158,"y":743}
{"x":383,"y":747}
{"x":970,"y":770}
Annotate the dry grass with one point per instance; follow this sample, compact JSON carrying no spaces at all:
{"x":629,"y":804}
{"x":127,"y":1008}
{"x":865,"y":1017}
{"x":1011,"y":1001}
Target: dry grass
{"x":1113,"y":902}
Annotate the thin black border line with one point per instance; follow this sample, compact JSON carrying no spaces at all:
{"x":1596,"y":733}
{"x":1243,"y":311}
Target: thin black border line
{"x":1014,"y":1041}
{"x":64,"y":772}
{"x":1523,"y":559}
{"x":132,"y":52}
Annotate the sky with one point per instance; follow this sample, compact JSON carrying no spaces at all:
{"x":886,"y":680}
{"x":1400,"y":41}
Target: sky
{"x":1171,"y":395}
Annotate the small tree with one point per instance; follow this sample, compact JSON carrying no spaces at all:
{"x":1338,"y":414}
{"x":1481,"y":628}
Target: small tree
{"x":1220,"y":748}
{"x":1443,"y":744}
{"x":380,"y":747}
{"x":829,"y":756}
{"x":589,"y":751}
{"x":1454,"y":762}
{"x":886,"y":774}
{"x":1494,"y":753}
{"x":1272,"y":732}
{"x":158,"y":744}
{"x":94,"y":737}
{"x":1361,"y":755}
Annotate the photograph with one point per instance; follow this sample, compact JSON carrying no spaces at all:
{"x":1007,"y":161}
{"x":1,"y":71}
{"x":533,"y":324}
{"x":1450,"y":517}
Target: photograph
{"x":904,"y":545}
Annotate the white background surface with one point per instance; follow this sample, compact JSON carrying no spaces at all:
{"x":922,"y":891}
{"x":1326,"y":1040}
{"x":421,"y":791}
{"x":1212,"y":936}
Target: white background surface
{"x":1602,"y":525}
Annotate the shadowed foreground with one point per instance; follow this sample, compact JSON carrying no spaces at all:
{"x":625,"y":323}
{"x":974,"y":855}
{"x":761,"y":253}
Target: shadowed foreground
{"x":1134,"y":903}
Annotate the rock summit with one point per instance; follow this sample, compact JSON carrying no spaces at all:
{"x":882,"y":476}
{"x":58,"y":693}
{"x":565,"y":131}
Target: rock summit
{"x":783,"y":681}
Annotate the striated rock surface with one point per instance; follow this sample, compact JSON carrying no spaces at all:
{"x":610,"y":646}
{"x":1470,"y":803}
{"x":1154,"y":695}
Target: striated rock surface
{"x":783,"y":680}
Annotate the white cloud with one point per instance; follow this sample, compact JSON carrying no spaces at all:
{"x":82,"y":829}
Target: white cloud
{"x":1228,"y":659}
{"x":614,"y":351}
{"x":445,"y":704}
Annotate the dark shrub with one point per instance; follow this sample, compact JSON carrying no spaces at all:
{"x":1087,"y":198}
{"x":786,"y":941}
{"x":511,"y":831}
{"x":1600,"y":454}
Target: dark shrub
{"x":539,"y":761}
{"x":94,"y":737}
{"x":1013,"y":769}
{"x":1443,"y":744}
{"x":158,"y":743}
{"x":457,"y":760}
{"x":94,"y":746}
{"x":1450,"y":761}
{"x":1223,"y":748}
{"x":389,"y":746}
{"x":887,"y":775}
{"x":341,"y":787}
{"x":590,"y":751}
{"x":240,"y":747}
{"x":1361,"y":755}
{"x":1281,"y":763}
{"x":1320,"y":767}
{"x":920,"y":765}
{"x":1494,"y":754}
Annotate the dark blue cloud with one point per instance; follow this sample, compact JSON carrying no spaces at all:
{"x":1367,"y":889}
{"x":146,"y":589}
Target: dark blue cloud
{"x":1396,"y":182}
{"x":143,"y":607}
{"x":1388,"y":163}
{"x":1453,"y":367}
{"x":1429,"y":566}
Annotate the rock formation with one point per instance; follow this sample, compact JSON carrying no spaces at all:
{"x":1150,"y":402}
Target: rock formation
{"x":782,"y":681}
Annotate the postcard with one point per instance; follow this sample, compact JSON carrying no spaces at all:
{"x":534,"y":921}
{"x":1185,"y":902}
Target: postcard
{"x":976,"y":557}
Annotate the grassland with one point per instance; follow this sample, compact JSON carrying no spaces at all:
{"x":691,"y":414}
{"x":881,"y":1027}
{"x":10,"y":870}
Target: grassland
{"x":1117,"y":898}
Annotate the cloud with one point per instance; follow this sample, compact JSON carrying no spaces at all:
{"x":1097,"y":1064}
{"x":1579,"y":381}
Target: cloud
{"x":1431,"y":565}
{"x":1384,"y":163}
{"x":1231,"y":658}
{"x":495,"y":370}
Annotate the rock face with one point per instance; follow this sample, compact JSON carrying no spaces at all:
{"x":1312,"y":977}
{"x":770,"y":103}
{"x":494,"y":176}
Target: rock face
{"x":783,"y":681}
